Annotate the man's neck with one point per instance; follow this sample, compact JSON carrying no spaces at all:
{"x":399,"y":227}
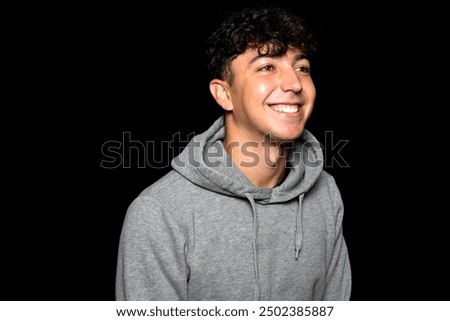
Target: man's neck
{"x":263,"y":163}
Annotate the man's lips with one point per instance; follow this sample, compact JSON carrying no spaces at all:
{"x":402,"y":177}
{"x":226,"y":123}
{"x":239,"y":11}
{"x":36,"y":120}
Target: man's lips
{"x":286,"y":108}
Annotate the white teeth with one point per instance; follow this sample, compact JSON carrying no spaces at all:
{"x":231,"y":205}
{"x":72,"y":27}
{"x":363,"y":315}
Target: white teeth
{"x":285,"y":109}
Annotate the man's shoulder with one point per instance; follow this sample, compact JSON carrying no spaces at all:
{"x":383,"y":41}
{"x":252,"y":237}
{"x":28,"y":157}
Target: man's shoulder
{"x":172,"y":193}
{"x":168,"y":183}
{"x":161,"y":193}
{"x":326,"y":182}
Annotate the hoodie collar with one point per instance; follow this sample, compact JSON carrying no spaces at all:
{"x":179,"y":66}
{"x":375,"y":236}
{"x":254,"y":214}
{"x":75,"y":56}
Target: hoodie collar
{"x":206,"y":163}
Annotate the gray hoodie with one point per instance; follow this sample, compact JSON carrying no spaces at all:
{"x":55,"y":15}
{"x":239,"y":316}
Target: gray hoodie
{"x":205,"y":232}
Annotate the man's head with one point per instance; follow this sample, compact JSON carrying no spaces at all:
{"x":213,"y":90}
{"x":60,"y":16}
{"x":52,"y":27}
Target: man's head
{"x":260,"y":29}
{"x":259,"y":63}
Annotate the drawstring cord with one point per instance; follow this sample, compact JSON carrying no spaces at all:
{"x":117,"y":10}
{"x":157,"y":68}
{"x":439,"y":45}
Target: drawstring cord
{"x":298,"y":228}
{"x":297,"y":241}
{"x":256,"y":294}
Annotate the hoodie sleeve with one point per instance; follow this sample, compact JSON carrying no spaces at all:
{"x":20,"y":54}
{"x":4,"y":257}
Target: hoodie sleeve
{"x":338,"y":285}
{"x":151,"y":262}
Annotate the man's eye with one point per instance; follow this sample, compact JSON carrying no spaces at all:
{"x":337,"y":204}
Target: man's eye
{"x":304,"y":70}
{"x":267,"y":68}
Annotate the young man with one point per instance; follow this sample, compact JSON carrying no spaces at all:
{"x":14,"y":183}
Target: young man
{"x":247,"y":212}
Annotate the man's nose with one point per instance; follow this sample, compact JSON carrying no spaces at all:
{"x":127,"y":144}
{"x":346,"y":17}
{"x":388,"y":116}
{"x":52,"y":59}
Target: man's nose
{"x":290,"y":81}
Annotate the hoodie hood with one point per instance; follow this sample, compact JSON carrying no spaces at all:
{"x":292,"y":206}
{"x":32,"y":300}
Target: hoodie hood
{"x":205,"y":162}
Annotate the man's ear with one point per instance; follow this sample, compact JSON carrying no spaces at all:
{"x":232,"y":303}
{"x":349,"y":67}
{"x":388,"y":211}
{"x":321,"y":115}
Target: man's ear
{"x":220,"y":91}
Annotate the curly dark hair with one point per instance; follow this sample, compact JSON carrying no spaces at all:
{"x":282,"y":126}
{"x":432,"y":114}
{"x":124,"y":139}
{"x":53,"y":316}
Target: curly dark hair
{"x":271,"y":30}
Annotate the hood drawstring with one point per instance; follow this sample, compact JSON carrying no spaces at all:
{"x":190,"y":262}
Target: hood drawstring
{"x":297,"y":242}
{"x":298,"y":227}
{"x":256,"y":294}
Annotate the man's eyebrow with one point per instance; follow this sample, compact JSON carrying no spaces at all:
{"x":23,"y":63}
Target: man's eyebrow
{"x":257,"y":57}
{"x":300,"y":56}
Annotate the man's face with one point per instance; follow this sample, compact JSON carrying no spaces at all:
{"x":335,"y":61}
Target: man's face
{"x":271,"y":95}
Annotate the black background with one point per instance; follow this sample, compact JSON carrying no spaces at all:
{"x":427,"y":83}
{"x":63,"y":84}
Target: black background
{"x":99,"y":71}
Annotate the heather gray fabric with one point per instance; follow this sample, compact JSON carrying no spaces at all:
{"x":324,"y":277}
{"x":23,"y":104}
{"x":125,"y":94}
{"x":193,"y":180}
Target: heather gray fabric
{"x":205,"y":232}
